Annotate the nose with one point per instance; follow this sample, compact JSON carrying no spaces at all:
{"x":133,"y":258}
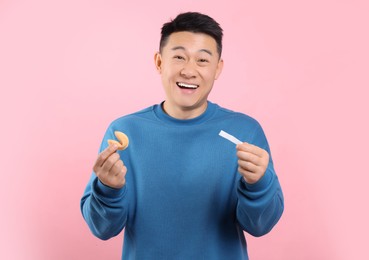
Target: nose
{"x":189,"y":70}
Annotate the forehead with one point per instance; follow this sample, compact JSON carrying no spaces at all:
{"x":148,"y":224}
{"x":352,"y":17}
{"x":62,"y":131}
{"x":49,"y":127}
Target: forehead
{"x":191,"y":41}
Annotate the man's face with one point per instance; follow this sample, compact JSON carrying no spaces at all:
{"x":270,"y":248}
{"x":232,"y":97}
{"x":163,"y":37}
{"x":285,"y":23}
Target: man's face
{"x":188,"y":64}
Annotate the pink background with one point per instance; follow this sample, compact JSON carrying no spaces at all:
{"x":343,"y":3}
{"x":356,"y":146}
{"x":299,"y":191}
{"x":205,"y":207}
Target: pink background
{"x":67,"y":68}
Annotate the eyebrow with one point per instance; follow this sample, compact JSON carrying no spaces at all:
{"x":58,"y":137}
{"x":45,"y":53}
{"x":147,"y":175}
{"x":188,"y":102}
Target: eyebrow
{"x":183,"y":48}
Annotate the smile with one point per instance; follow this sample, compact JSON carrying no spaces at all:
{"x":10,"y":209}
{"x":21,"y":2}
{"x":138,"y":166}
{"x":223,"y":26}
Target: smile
{"x":187,"y":86}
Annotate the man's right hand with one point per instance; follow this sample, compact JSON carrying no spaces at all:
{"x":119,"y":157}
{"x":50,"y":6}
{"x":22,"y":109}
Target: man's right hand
{"x":110,"y":170}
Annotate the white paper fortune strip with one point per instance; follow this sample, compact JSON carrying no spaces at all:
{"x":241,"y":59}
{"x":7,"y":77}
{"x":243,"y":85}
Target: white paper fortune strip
{"x":229,"y":137}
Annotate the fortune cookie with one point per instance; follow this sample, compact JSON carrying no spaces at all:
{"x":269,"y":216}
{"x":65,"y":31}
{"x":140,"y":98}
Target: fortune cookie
{"x":122,"y":138}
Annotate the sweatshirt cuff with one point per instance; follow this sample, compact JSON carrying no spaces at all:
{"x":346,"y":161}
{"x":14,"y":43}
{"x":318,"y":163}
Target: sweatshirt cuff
{"x":260,"y":184}
{"x":107,"y":191}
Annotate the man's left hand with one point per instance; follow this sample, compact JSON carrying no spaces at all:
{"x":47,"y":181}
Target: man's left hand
{"x":252,"y":162}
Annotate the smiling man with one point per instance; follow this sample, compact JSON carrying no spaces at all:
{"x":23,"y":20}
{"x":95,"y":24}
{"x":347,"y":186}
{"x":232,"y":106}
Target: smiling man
{"x":188,"y":63}
{"x":180,"y":191}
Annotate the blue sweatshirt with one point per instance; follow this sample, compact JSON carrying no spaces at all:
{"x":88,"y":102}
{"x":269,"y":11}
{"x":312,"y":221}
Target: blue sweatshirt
{"x":184,"y":198}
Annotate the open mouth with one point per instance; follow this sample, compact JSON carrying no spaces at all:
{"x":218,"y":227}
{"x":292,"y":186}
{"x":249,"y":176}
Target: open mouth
{"x":187,"y":86}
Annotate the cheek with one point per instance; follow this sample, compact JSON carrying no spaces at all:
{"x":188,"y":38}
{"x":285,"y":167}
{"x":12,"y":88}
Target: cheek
{"x":168,"y":71}
{"x":209,"y":76}
{"x":167,"y":77}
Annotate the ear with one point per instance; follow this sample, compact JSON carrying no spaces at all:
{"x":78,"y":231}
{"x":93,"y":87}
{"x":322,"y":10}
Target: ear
{"x":219,"y":68}
{"x":157,"y":60}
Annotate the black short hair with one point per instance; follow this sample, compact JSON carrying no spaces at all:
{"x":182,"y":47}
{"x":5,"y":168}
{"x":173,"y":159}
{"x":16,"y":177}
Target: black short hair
{"x":192,"y":22}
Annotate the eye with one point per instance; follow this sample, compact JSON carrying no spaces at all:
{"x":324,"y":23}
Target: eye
{"x":178,"y":57}
{"x":203,"y":60}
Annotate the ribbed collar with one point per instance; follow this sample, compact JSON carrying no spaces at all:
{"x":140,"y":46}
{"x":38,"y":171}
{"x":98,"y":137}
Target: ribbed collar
{"x":209,"y":112}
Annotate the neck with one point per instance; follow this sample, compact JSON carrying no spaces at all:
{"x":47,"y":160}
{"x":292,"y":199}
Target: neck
{"x":184,"y":113}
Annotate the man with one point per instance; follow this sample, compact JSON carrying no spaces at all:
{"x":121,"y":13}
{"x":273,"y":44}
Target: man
{"x":181,"y":191}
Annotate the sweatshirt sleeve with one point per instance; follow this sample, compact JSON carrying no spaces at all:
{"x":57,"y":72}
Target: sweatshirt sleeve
{"x":260,"y":205}
{"x":104,"y":209}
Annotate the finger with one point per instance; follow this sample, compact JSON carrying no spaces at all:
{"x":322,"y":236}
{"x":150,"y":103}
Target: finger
{"x":249,"y":157}
{"x":120,"y":178}
{"x":123,"y":171}
{"x":248,"y":166}
{"x":247,"y":147}
{"x":249,"y":177}
{"x":117,"y":168}
{"x":105,"y":155}
{"x":110,"y":161}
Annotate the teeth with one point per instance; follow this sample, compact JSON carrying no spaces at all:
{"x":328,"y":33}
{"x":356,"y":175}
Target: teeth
{"x":186,"y":85}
